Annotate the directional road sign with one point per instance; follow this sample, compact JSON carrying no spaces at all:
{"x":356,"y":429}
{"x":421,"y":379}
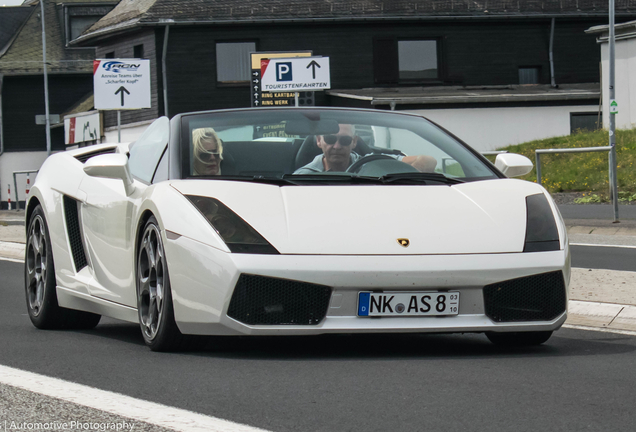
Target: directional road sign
{"x":264,"y":98}
{"x":121,"y":84}
{"x":296,"y":74}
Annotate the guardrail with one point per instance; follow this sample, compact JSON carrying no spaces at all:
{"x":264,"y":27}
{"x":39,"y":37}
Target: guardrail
{"x":15,"y":185}
{"x":610,"y":174}
{"x":539,"y":152}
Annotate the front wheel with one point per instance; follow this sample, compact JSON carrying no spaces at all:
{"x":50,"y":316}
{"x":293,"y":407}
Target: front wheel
{"x":39,"y":280}
{"x":519,"y":338}
{"x":154,"y":296}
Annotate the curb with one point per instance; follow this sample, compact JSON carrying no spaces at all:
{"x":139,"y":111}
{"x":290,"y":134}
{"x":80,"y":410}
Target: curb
{"x":603,"y":315}
{"x":12,"y":222}
{"x":14,"y":251}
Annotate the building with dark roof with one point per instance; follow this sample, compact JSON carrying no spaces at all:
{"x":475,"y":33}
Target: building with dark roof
{"x":22,"y":142}
{"x":428,"y":56}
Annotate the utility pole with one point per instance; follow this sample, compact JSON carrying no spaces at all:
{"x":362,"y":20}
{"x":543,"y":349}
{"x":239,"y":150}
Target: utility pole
{"x":46,"y":84}
{"x":613,"y":110}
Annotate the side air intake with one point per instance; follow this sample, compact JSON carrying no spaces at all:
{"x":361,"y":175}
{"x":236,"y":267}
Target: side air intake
{"x":73,"y":230}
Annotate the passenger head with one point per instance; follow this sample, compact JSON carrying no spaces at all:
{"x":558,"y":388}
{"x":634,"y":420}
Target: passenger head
{"x":337,"y":148}
{"x":208,"y":152}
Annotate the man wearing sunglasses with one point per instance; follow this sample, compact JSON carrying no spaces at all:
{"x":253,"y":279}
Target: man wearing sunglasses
{"x":337,"y":154}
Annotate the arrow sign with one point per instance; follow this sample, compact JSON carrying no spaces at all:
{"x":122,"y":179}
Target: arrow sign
{"x":313,"y":65}
{"x":122,"y":90}
{"x":255,"y":88}
{"x":255,"y":81}
{"x":296,"y":74}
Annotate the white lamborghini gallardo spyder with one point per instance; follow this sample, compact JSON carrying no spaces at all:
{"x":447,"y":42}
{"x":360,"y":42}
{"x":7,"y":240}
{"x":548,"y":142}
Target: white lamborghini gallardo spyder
{"x":295,"y":221}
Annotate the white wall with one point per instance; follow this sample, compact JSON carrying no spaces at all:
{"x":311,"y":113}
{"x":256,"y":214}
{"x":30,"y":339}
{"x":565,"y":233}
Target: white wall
{"x":625,"y":83}
{"x":18,"y":161}
{"x":492,"y":128}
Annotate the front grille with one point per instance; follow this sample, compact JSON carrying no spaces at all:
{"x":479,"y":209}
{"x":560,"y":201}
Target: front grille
{"x":533,"y":298}
{"x":272,"y":301}
{"x":74,"y":236}
{"x":86,"y":156}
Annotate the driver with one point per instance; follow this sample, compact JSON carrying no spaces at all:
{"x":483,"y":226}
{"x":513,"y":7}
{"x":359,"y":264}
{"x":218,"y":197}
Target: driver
{"x":337,"y":154}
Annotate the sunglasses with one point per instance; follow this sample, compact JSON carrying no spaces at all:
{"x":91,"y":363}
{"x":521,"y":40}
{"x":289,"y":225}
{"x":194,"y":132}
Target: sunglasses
{"x":207,"y":157}
{"x":345,"y":140}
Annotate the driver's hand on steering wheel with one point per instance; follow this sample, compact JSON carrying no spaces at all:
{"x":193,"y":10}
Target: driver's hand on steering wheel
{"x":422,"y":163}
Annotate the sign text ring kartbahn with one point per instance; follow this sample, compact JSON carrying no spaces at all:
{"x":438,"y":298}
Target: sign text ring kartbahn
{"x":121,"y":84}
{"x":295,"y":74}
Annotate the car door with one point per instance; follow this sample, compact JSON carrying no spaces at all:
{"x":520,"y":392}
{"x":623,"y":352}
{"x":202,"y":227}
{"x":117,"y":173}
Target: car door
{"x":109,"y":218}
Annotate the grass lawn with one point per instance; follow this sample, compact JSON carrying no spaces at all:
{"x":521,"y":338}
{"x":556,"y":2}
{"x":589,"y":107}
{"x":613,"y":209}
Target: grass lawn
{"x":583,"y":172}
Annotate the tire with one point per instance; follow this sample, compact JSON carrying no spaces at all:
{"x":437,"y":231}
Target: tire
{"x":154,"y":296}
{"x":519,"y":338}
{"x":40,"y":283}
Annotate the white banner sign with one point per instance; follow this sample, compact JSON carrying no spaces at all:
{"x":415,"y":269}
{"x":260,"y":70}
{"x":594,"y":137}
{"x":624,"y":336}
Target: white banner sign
{"x":82,"y":128}
{"x":295,"y":74}
{"x":120,"y":84}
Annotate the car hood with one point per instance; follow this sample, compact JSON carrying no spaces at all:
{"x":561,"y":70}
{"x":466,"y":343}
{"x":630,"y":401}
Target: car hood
{"x":477,"y":217}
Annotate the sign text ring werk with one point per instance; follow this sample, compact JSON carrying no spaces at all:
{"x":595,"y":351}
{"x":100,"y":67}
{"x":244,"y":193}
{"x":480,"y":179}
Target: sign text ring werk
{"x":120,"y":84}
{"x":296,"y":74}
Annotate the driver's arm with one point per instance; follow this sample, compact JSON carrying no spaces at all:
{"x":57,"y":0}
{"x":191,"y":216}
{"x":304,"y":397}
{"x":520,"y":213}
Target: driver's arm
{"x":421,"y":162}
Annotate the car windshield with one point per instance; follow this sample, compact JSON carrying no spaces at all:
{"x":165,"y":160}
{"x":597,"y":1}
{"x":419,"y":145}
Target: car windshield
{"x":300,"y":146}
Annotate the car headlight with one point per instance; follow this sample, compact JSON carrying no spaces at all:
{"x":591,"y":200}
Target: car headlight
{"x":237,"y":234}
{"x":541,"y":230}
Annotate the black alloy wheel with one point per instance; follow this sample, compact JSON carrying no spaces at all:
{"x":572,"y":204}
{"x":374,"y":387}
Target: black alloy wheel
{"x":154,"y":297}
{"x":40,"y":282}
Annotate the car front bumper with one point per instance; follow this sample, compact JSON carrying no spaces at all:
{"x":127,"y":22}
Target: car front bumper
{"x":203,"y":280}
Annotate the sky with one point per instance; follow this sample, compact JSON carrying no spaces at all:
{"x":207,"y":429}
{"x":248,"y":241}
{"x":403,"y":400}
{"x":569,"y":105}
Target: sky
{"x":10,"y":2}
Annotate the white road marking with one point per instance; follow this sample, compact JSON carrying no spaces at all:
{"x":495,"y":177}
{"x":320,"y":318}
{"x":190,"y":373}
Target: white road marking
{"x":603,"y":245}
{"x":118,"y":404}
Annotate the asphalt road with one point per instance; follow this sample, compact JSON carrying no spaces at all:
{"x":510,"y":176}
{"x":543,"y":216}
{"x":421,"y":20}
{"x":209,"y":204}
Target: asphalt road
{"x":579,"y":380}
{"x":603,"y":257}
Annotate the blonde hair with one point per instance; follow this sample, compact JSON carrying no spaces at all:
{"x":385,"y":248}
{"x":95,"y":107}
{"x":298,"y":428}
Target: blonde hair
{"x":205,"y":134}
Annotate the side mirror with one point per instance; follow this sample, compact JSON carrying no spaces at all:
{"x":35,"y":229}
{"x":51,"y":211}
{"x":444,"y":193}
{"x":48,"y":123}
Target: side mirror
{"x":513,"y":165}
{"x":112,"y":166}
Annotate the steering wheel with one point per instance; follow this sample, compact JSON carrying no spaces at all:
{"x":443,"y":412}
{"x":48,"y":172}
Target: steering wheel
{"x":355,"y":167}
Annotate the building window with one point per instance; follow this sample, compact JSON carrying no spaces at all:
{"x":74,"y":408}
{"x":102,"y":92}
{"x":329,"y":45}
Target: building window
{"x":585,"y":122}
{"x":417,"y":60}
{"x":233,"y":62}
{"x":138,"y":51}
{"x":406,"y":61}
{"x":81,"y":17}
{"x":529,"y":75}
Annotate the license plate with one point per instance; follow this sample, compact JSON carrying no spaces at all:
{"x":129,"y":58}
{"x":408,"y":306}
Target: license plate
{"x":408,"y":303}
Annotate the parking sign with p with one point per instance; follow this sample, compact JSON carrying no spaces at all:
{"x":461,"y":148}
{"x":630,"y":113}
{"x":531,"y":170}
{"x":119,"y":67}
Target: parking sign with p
{"x":284,"y":71}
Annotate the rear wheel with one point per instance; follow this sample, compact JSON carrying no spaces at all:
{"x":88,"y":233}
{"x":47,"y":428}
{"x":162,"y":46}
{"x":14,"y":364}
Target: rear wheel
{"x":519,"y":338}
{"x":154,"y":296}
{"x":39,"y":278}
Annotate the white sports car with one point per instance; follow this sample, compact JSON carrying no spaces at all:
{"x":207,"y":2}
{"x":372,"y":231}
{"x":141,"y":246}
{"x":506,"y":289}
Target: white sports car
{"x":295,"y":221}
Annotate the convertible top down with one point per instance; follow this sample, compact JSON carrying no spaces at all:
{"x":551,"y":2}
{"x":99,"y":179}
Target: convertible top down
{"x":295,"y":221}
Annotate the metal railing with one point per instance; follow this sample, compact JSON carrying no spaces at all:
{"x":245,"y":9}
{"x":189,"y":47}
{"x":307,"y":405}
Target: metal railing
{"x":539,"y":152}
{"x":608,"y":149}
{"x":15,"y":185}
